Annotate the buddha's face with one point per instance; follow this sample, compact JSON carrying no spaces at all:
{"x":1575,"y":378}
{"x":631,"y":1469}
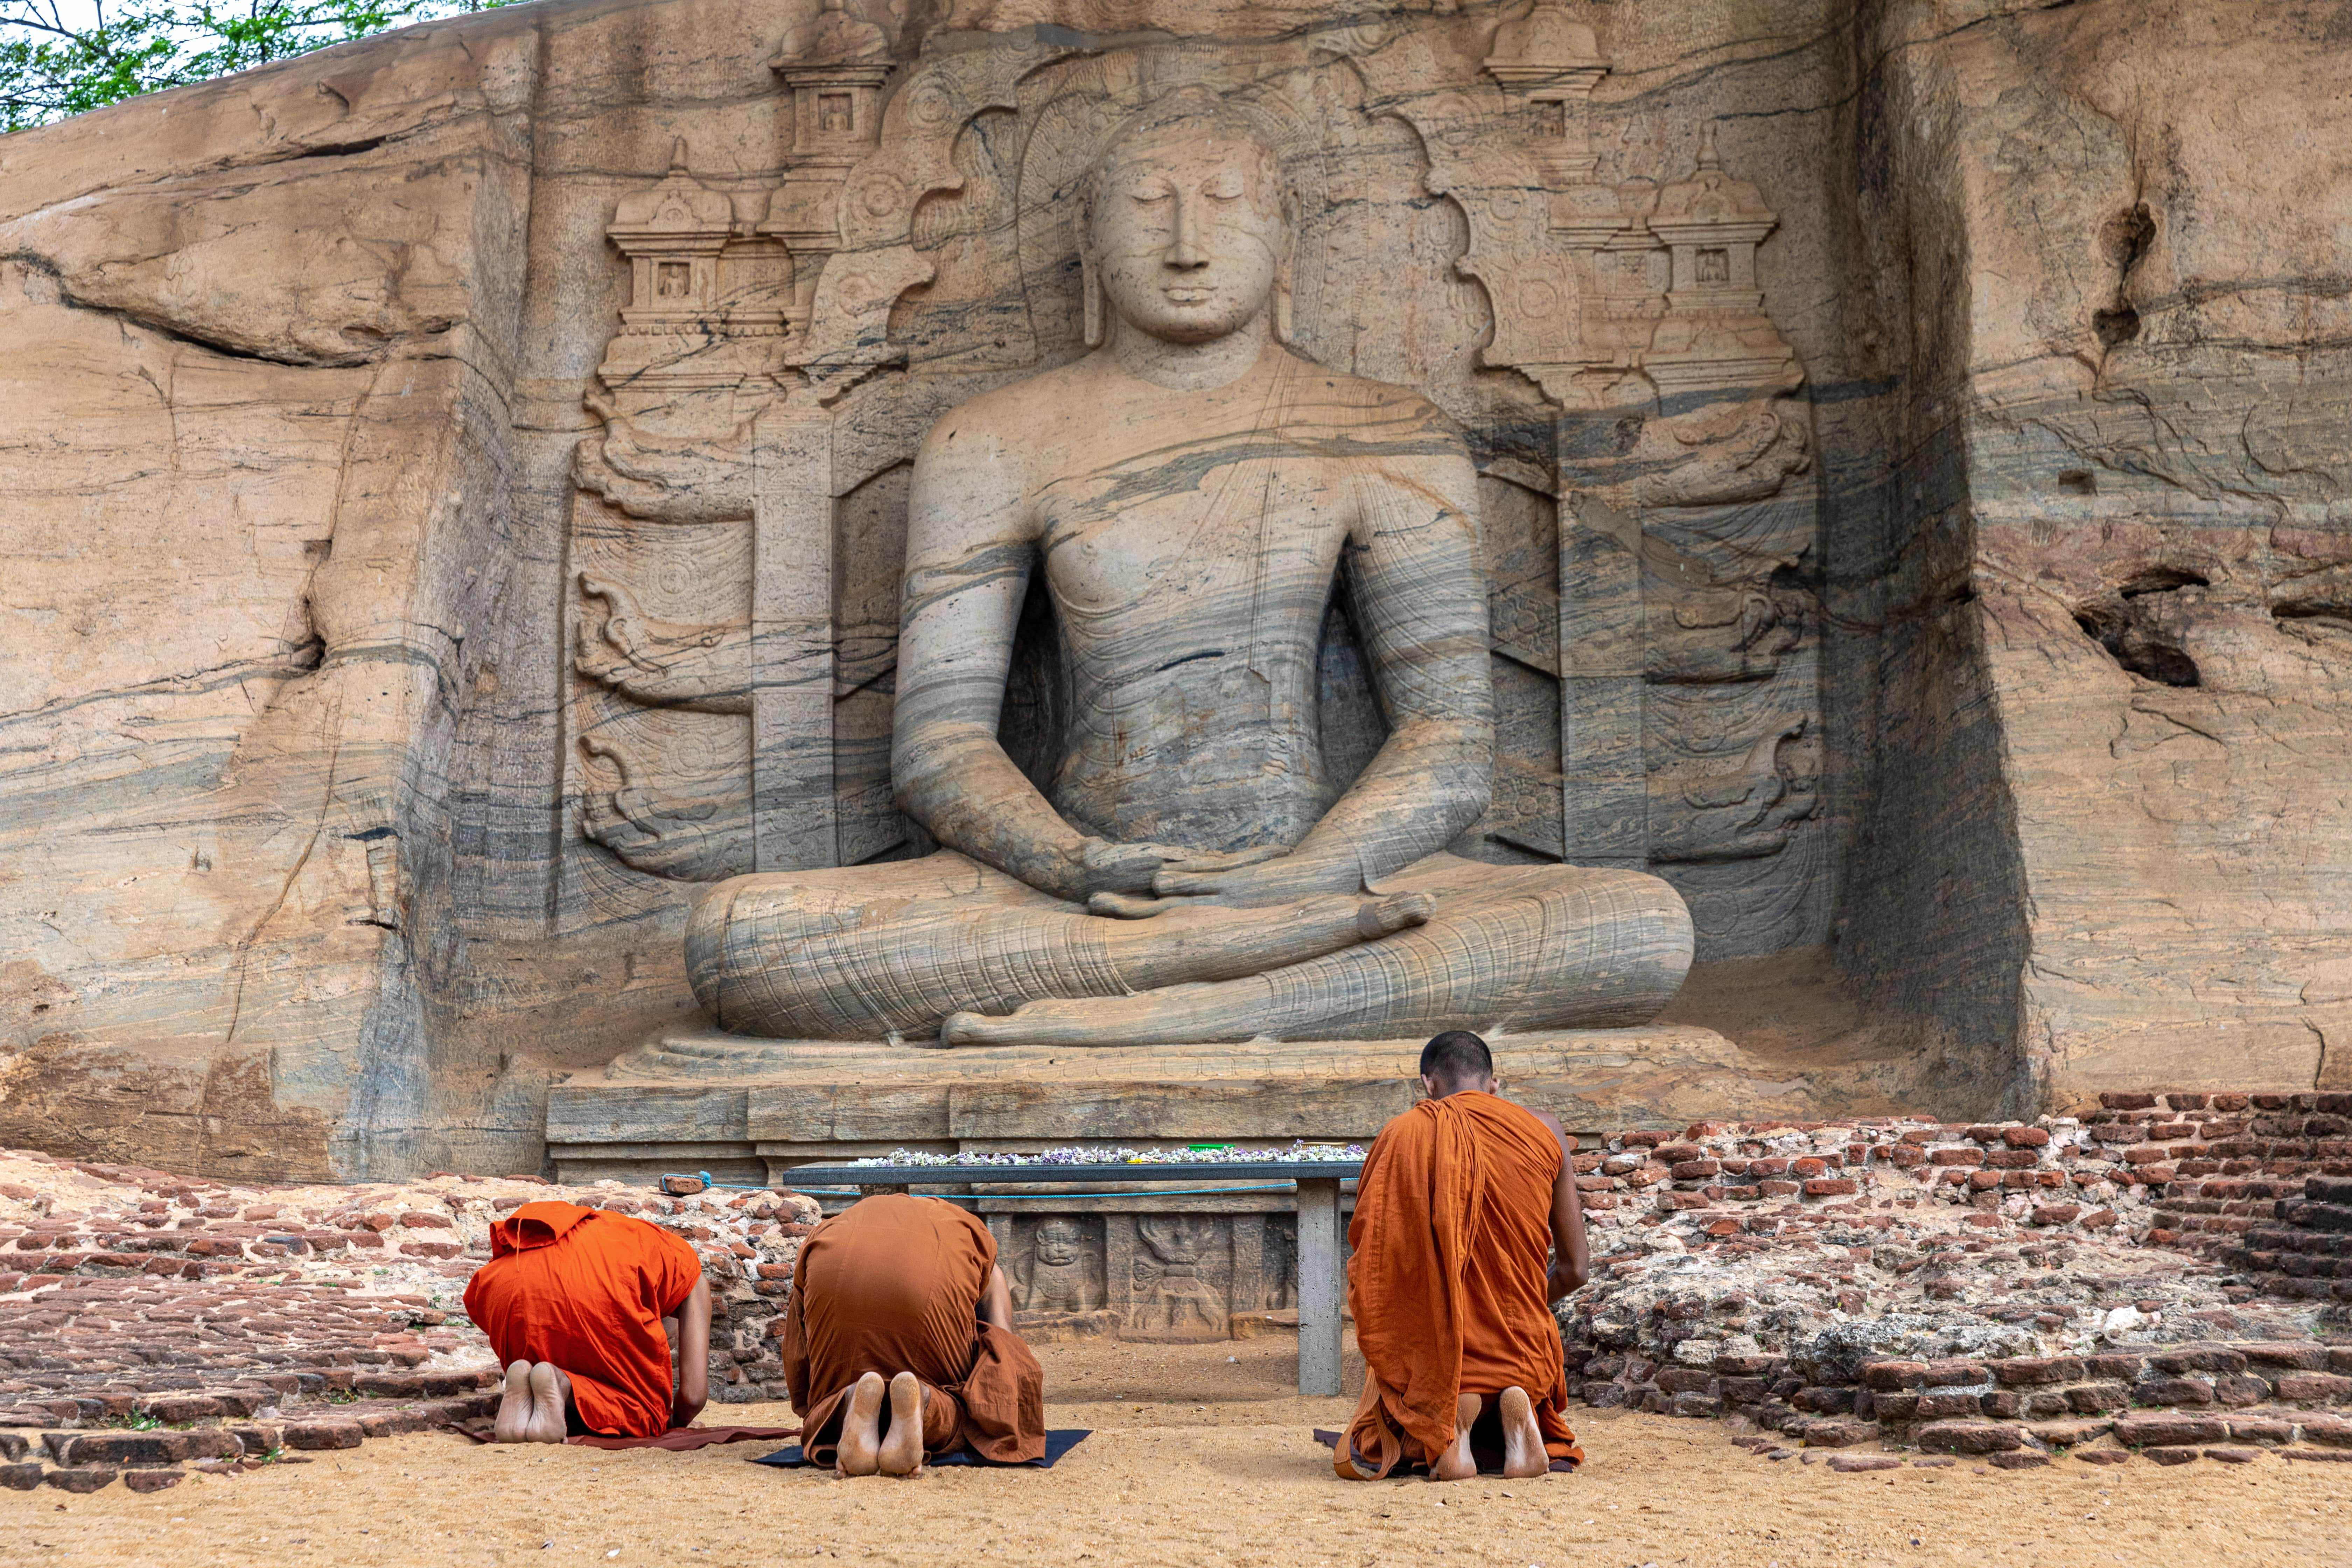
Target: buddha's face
{"x":1188,"y":230}
{"x":1057,"y":1246}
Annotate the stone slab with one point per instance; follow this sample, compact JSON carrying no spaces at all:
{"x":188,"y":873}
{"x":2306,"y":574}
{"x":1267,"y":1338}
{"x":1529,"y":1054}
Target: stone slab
{"x":801,"y":1102}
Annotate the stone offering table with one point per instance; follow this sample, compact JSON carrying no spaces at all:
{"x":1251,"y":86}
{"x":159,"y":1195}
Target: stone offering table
{"x":1322,"y":1285}
{"x":750,"y":1109}
{"x":1141,"y":1265}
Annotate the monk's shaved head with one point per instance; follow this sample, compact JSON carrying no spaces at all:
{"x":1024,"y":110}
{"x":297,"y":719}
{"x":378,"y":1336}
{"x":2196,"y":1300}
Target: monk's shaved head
{"x":1455,"y":1060}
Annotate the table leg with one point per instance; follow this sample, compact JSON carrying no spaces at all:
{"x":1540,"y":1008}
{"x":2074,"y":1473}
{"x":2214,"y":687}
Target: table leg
{"x":1322,"y":1287}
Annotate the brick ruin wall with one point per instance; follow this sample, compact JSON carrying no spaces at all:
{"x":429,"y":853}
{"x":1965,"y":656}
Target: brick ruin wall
{"x":149,"y":1321}
{"x":2158,"y":1275}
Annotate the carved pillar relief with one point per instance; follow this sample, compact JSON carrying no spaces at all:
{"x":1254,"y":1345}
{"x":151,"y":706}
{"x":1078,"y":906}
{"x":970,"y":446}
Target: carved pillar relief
{"x":709,"y":680}
{"x":1687,"y":676}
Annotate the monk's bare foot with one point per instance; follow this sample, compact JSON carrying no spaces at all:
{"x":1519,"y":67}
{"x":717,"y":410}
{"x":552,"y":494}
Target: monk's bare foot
{"x":902,"y":1450}
{"x":1523,"y":1446}
{"x":859,"y":1453}
{"x":513,"y":1423}
{"x":546,"y":1405}
{"x":1456,"y":1464}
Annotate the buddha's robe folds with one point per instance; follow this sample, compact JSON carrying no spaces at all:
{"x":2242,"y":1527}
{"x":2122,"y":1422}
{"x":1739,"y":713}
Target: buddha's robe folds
{"x":587,"y":1290}
{"x":1450,"y":1245}
{"x":894,"y":1284}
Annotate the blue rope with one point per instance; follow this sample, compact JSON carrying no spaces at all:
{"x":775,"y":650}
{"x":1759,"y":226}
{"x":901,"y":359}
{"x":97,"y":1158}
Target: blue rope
{"x":703,"y":1176}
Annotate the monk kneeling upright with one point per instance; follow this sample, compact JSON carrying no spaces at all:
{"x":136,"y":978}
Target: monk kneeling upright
{"x":1467,"y":1229}
{"x":898,"y":1345}
{"x":572,"y":1300}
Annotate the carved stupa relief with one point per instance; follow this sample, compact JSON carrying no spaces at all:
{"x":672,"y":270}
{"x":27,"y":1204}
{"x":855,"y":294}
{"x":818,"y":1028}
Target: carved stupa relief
{"x":741,"y":508}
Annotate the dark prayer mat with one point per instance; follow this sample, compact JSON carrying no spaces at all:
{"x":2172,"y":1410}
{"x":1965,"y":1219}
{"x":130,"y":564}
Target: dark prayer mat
{"x":1331,"y":1441}
{"x":1057,"y":1444}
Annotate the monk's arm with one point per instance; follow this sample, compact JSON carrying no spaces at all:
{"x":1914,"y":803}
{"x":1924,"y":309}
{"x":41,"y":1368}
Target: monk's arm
{"x":1572,"y":1261}
{"x":1419,"y":589}
{"x":693,"y":1356}
{"x":996,"y":1301}
{"x":970,"y":550}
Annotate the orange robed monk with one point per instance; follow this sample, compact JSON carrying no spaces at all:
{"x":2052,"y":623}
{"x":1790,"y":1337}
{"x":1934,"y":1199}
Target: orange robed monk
{"x":1467,"y":1229}
{"x":572,"y":1300}
{"x":901,"y":1295}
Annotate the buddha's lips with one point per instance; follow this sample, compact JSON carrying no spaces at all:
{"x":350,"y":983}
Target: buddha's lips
{"x":1188,"y":296}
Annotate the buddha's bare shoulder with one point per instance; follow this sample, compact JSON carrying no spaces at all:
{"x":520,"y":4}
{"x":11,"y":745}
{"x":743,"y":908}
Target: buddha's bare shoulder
{"x":1379,"y":410}
{"x":1020,"y":412}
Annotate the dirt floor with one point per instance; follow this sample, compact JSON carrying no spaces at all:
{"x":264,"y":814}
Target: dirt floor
{"x":1194,"y":1458}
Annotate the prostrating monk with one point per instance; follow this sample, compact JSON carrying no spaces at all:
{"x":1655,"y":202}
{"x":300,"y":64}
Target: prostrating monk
{"x":574,"y":1302}
{"x":905,"y":1292}
{"x":1466,"y":1230}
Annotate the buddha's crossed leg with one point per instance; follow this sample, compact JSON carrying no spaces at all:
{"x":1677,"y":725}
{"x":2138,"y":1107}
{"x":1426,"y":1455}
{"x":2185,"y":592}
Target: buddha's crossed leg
{"x":1521,"y":947}
{"x":946,"y":946}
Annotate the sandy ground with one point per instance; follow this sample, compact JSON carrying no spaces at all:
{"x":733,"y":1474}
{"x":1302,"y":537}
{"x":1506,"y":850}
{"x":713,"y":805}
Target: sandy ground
{"x":1194,"y":1458}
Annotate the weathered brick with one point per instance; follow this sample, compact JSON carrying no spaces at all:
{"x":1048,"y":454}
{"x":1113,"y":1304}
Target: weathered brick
{"x":2332,"y":1431}
{"x":2196,"y":1358}
{"x":2306,"y":1387}
{"x":1846,"y":1464}
{"x":1889,"y":1376}
{"x":80,"y":1478}
{"x":2068,"y":1433}
{"x":2023,"y":1370}
{"x":152,"y":1480}
{"x":135,"y":1447}
{"x":1834,"y":1434}
{"x":318,"y":1435}
{"x":1966,"y":1437}
{"x":2238,"y":1392}
{"x":20,"y":1478}
{"x":2169,"y":1431}
{"x":2261,"y":1429}
{"x":2157,"y":1391}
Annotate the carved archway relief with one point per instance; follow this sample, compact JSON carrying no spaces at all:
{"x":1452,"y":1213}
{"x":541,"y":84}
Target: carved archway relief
{"x":1674,"y":495}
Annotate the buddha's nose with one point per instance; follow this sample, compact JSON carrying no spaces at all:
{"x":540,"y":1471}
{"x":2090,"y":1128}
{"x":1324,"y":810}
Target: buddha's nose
{"x":1185,"y":248}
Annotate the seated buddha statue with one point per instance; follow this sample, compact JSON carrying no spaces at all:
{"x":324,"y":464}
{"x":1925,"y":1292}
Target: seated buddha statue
{"x":1194,"y":492}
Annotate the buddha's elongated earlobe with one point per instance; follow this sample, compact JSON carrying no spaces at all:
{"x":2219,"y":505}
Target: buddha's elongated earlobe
{"x":1090,"y":289}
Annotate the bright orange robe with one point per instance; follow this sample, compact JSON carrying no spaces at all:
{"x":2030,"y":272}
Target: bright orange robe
{"x":588,"y":1290}
{"x":893,"y":1284}
{"x":1449,"y":1248}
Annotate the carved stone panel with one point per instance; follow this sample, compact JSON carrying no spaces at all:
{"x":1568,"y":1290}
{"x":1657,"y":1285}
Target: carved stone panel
{"x":1158,"y":1278}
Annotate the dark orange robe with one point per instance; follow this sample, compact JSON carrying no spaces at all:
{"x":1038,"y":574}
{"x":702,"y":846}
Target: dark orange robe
{"x":893,"y":1284}
{"x":588,"y":1290}
{"x":1449,"y":1248}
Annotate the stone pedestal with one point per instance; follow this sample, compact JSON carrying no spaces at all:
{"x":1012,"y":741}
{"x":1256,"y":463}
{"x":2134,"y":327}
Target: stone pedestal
{"x":1196,"y":1258}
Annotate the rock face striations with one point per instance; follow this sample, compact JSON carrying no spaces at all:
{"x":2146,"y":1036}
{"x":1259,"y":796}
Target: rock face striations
{"x":459,"y":492}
